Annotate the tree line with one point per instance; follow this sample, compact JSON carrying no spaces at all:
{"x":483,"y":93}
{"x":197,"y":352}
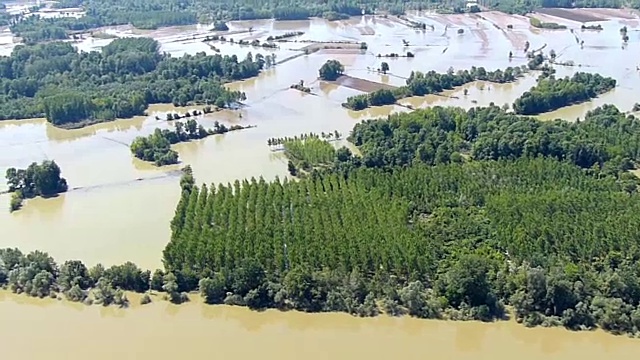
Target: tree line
{"x":68,"y":87}
{"x":420,"y":84}
{"x":36,"y":180}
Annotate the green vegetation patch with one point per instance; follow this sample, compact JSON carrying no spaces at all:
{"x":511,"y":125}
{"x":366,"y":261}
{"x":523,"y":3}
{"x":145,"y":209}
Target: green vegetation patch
{"x":156,"y":147}
{"x":551,"y":93}
{"x":69,"y":88}
{"x":36,"y":180}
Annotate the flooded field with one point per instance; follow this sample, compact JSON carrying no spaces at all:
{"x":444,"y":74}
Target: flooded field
{"x":165,"y":331}
{"x":120,"y":208}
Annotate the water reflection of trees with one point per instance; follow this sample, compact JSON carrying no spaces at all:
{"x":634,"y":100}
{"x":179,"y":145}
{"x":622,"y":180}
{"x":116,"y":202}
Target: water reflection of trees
{"x":62,"y":135}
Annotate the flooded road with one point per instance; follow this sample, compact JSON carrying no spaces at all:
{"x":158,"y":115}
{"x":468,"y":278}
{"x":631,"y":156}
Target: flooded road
{"x":164,"y":331}
{"x":121,"y":207}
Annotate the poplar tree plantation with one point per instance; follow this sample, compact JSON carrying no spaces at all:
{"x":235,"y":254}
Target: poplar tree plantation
{"x":447,"y":214}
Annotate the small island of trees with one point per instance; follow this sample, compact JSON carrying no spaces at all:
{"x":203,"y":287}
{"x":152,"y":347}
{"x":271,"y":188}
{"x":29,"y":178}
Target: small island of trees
{"x":331,"y":70}
{"x":36,"y":180}
{"x":551,"y":93}
{"x":156,"y":148}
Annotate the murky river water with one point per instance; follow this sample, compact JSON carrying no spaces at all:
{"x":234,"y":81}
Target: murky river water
{"x":121,"y":208}
{"x":47,"y":329}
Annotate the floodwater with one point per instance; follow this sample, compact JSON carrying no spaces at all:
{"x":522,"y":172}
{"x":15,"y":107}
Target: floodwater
{"x":119,"y":208}
{"x":164,"y":331}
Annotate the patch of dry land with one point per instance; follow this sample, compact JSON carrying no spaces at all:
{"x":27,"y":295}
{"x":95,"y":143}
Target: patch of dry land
{"x":578,"y":15}
{"x":360,"y":84}
{"x":613,"y":13}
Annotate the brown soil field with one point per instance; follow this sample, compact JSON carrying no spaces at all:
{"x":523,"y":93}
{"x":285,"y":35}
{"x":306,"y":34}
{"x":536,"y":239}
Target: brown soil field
{"x":483,"y":38}
{"x":578,"y":15}
{"x":613,"y":13}
{"x":461,"y":20}
{"x":437,"y":18}
{"x":360,"y":84}
{"x":502,"y":19}
{"x":554,"y":19}
{"x":366,"y":30}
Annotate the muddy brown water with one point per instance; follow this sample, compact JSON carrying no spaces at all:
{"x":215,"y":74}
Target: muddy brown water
{"x":121,"y":207}
{"x":164,"y":331}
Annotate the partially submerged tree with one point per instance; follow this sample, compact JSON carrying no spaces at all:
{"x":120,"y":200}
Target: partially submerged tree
{"x":331,"y":70}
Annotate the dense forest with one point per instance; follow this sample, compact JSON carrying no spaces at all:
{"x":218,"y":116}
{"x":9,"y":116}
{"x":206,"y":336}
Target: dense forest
{"x":420,"y":84}
{"x":71,"y":88}
{"x":36,"y":180}
{"x":448,"y":214}
{"x":156,"y":147}
{"x":551,"y":93}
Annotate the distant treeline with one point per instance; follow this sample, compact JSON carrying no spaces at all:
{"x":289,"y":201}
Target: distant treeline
{"x":159,"y":13}
{"x":68,"y":87}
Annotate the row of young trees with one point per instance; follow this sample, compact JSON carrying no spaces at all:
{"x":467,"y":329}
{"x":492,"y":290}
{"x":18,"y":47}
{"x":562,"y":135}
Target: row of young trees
{"x":66,"y":86}
{"x":36,"y":180}
{"x":303,"y":153}
{"x":420,"y":84}
{"x":156,"y":147}
{"x":551,"y":93}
